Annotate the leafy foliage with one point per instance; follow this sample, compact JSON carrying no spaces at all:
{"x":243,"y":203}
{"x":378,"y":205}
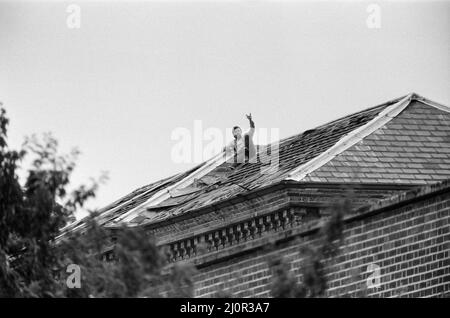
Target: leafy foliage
{"x":33,"y":260}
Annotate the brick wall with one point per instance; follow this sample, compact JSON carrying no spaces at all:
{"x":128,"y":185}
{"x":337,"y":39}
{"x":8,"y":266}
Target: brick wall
{"x":407,"y":236}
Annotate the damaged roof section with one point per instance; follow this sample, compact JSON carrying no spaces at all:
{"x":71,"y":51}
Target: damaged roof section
{"x":229,"y":180}
{"x":217,"y":180}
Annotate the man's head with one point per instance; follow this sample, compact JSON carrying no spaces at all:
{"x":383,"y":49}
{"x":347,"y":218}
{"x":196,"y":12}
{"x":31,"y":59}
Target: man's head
{"x":237,"y":132}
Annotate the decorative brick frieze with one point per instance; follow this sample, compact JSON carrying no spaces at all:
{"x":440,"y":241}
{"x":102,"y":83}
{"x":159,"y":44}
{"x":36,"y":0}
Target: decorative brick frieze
{"x":235,"y":234}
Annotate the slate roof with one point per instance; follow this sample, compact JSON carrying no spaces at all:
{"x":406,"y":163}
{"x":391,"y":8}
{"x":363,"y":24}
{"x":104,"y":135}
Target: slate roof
{"x":406,"y":140}
{"x":414,"y":147}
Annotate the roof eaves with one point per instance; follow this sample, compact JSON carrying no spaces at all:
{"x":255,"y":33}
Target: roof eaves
{"x":81,"y":223}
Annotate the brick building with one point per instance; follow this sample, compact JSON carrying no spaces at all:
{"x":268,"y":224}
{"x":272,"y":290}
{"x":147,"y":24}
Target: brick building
{"x":394,"y":157}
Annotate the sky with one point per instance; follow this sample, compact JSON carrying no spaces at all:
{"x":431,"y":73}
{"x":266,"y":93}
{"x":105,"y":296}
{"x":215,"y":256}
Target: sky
{"x":134,"y":72}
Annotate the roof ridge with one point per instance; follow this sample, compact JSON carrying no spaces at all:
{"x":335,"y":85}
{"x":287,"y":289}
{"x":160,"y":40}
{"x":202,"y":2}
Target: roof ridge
{"x":385,"y":104}
{"x":431,"y":103}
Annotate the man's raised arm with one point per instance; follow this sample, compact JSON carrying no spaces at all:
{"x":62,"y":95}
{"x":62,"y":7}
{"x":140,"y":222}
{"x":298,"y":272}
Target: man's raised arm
{"x":251,"y":132}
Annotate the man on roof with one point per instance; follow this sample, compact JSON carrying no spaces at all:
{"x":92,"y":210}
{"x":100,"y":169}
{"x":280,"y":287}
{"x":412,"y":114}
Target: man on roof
{"x":242,"y":146}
